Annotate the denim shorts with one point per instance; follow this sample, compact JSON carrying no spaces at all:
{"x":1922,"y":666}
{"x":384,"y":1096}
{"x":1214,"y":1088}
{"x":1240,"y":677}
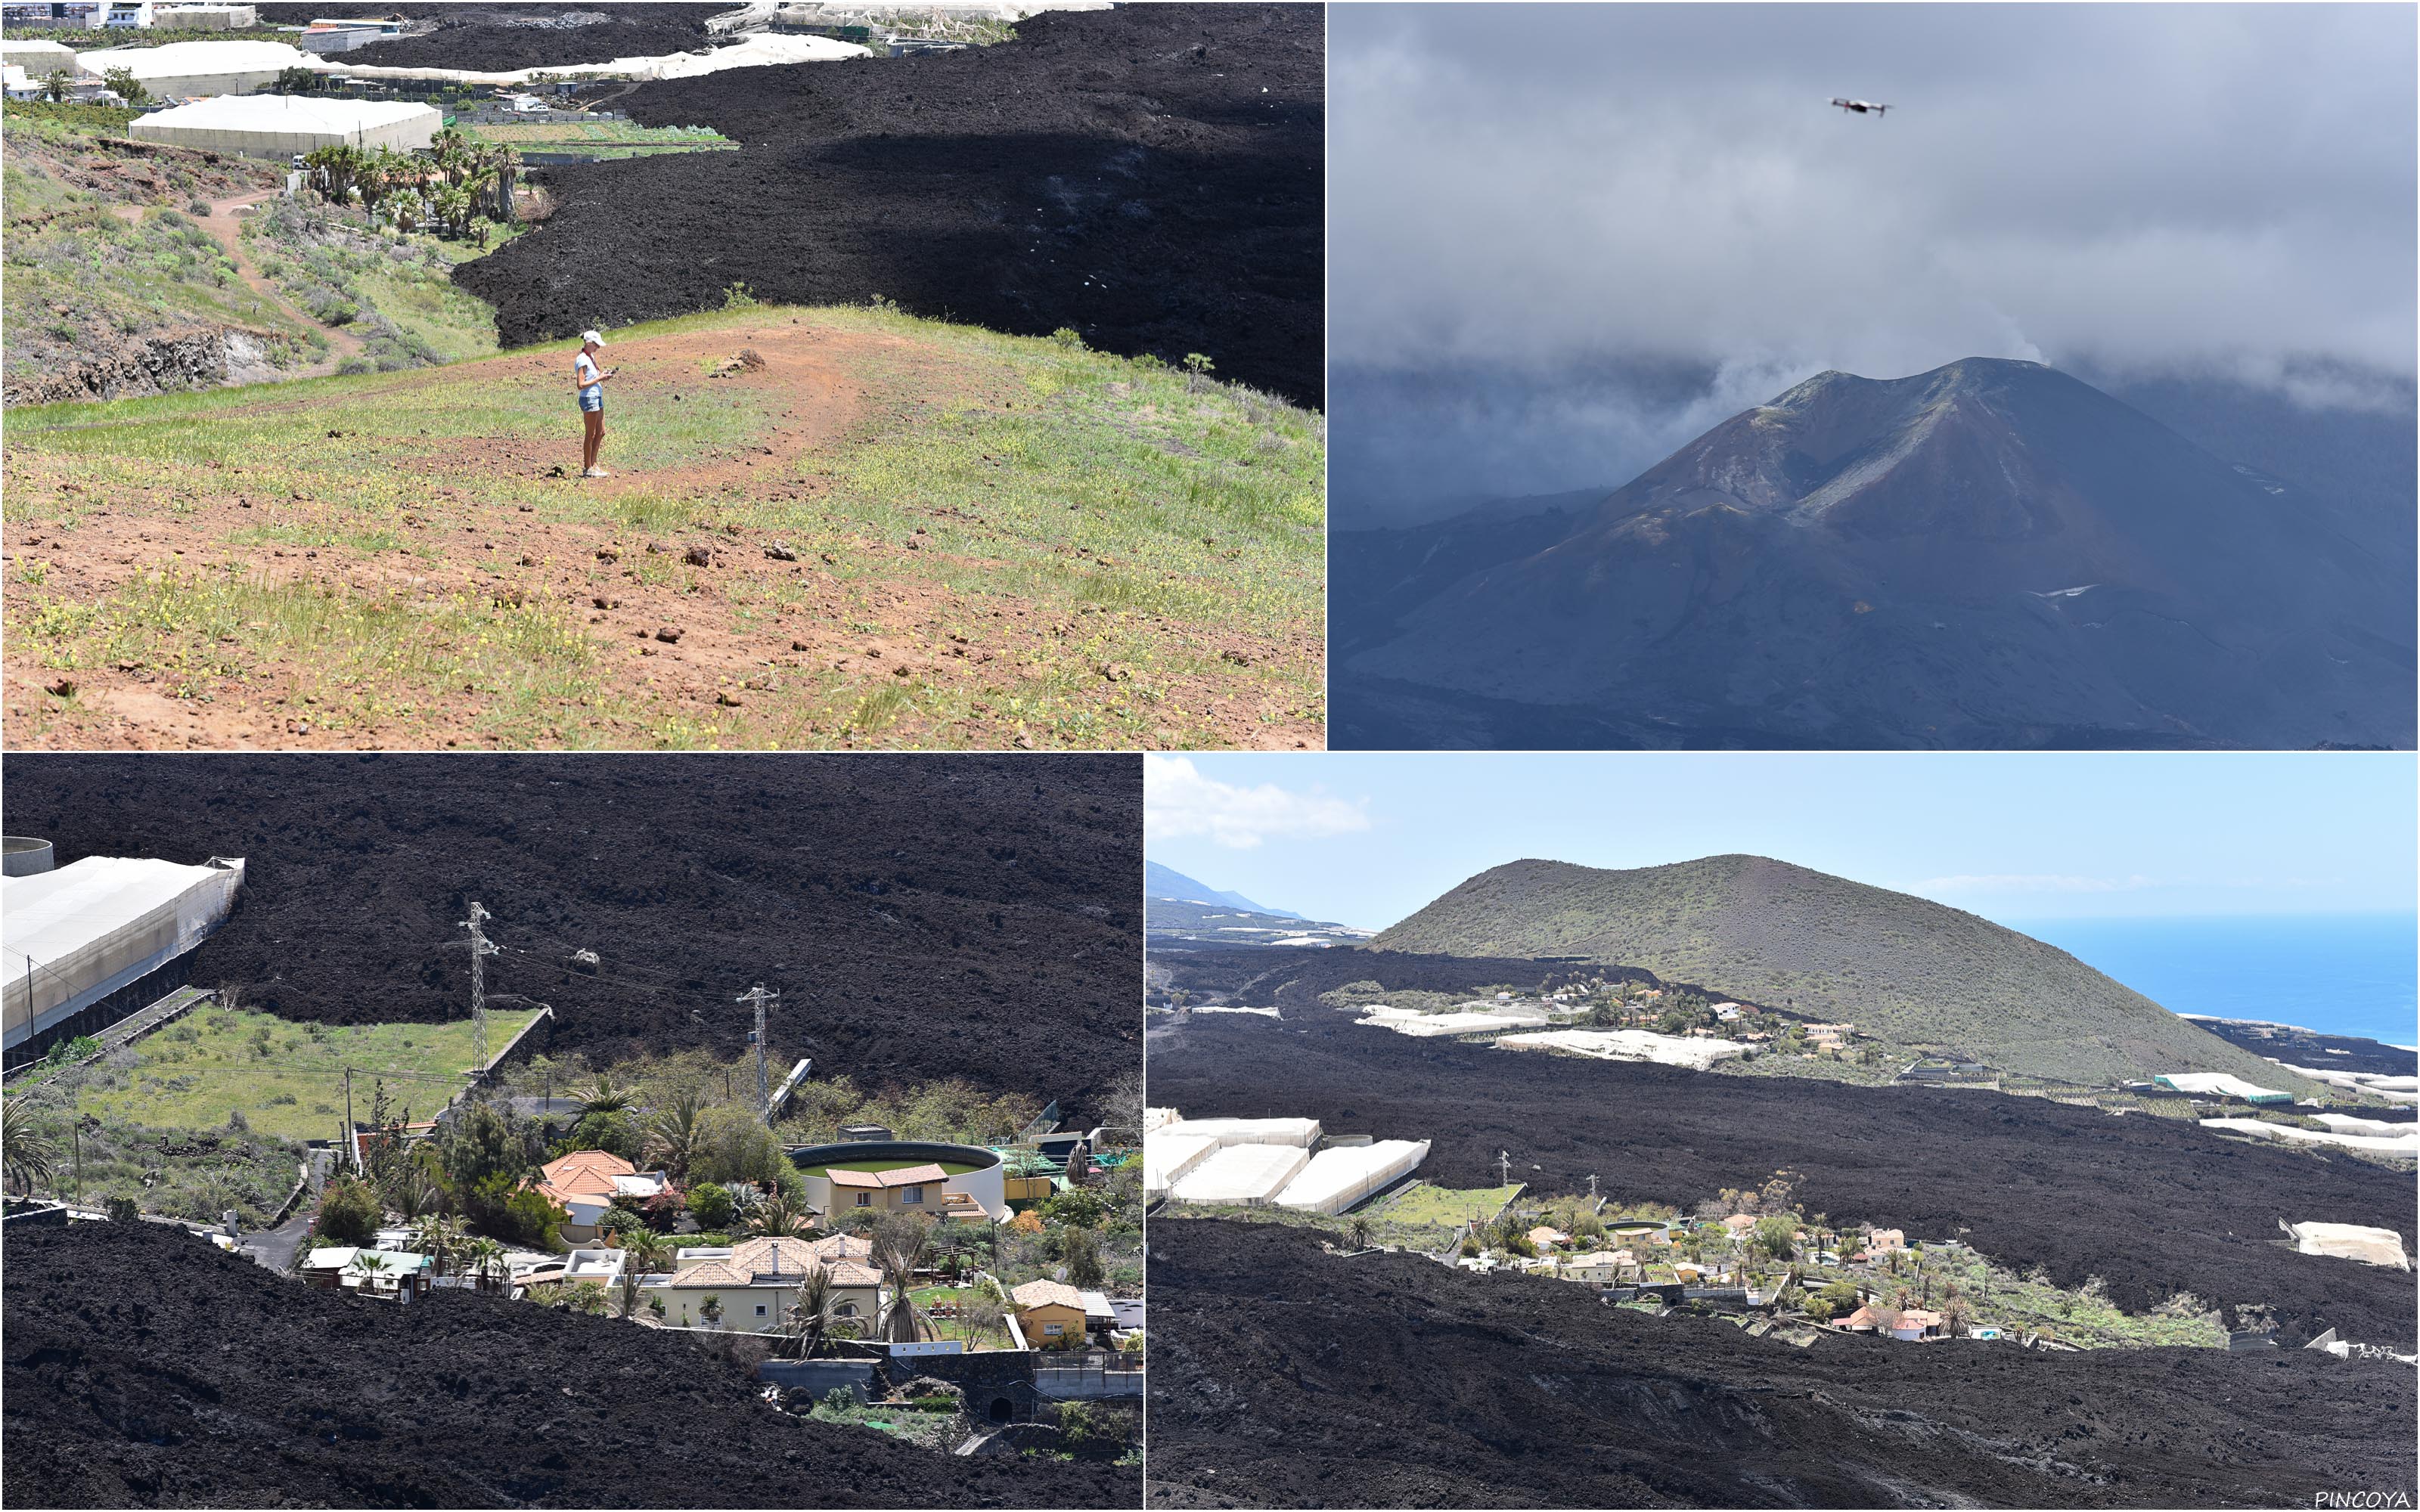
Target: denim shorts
{"x":593,"y":404}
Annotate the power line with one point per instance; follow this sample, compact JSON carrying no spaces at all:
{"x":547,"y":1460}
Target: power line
{"x":480,"y":950}
{"x":759,"y":996}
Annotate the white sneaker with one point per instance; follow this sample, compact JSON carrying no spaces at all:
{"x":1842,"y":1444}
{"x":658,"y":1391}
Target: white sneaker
{"x":597,"y":472}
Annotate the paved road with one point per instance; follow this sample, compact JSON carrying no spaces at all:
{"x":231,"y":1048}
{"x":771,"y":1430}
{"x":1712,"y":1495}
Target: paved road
{"x":275,"y":1247}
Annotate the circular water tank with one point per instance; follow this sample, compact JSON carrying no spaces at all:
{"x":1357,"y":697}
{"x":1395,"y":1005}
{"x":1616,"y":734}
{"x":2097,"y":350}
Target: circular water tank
{"x":970,"y":1169}
{"x":25,"y":856}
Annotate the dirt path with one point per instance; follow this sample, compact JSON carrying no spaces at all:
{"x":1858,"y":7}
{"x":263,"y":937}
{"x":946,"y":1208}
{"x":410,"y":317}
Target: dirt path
{"x":221,"y":223}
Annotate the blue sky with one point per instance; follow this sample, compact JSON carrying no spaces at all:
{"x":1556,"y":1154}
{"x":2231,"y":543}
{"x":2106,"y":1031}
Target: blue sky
{"x":1366,"y":839}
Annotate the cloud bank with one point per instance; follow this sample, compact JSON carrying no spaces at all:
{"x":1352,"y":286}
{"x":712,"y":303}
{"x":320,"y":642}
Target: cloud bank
{"x":1525,"y":193}
{"x":1180,"y":803}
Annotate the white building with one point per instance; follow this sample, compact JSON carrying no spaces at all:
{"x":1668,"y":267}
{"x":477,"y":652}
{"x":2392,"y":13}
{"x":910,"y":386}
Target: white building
{"x":186,"y":70}
{"x":38,"y":57}
{"x":280,"y":125}
{"x":98,"y":939}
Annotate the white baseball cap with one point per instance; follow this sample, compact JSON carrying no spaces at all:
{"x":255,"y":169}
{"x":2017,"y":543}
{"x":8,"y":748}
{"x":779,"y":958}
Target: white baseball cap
{"x":587,"y":337}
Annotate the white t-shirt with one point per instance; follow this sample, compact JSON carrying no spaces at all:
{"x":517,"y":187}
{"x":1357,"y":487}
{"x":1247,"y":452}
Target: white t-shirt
{"x":592,"y":384}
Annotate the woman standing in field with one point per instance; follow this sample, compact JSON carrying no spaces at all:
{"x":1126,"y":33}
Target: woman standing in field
{"x":589,"y":380}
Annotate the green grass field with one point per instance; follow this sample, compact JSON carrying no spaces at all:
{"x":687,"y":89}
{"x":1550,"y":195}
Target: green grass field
{"x":605,"y":140}
{"x":1422,"y":1206}
{"x":1074,"y":550}
{"x":285,"y":1078}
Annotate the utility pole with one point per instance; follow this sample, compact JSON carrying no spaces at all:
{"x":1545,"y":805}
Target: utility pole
{"x":759,"y":996}
{"x":1504,"y":1166}
{"x":76,"y":1132}
{"x":480,"y":950}
{"x":1591,"y":1186}
{"x":351,"y":1149}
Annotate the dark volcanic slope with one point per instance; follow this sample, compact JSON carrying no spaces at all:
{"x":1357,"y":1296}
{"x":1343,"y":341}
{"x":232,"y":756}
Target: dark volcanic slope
{"x":1304,"y":1380}
{"x":2298,"y":1046}
{"x":1989,"y":554}
{"x":496,"y":47}
{"x":921,"y":916}
{"x":1151,"y":177}
{"x":2153,"y":1206}
{"x":689,"y":15}
{"x":146,"y":1368}
{"x":1913,"y":970}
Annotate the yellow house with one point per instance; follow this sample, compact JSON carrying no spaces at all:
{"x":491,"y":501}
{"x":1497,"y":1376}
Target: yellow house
{"x":911,"y":1189}
{"x":753,"y":1284}
{"x":1050,"y":1314}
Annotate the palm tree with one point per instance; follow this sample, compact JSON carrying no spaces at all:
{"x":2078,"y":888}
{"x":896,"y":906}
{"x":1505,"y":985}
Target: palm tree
{"x":368,"y":1263}
{"x":645,"y":1250}
{"x":1360,"y":1230}
{"x":899,"y":1245}
{"x":415,"y":1197}
{"x":777,"y":1216}
{"x":495,"y":169}
{"x":813,"y":1312}
{"x":29,"y":1154}
{"x":485,"y":1257}
{"x":672,"y":1137}
{"x":604,"y":1094}
{"x":452,"y":150}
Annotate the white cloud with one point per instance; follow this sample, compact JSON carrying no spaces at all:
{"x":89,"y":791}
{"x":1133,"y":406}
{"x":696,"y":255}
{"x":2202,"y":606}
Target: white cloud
{"x":1179,"y":803}
{"x":2031,"y":882}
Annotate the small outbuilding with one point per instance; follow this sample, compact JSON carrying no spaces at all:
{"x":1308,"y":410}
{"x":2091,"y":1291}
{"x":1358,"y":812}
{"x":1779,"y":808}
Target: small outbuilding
{"x":1051,"y":1315}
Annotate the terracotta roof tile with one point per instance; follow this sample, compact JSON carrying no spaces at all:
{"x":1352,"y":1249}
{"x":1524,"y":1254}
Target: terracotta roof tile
{"x":1047,"y":1294}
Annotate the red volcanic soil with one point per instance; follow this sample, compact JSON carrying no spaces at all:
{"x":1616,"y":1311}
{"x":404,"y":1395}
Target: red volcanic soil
{"x":2152,"y":1205}
{"x":1285,"y":1376}
{"x":923,"y":916}
{"x":1151,"y":178}
{"x":144,"y":1368}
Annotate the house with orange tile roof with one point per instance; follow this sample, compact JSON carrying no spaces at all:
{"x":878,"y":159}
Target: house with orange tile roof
{"x":586,"y":1182}
{"x":1050,"y":1315}
{"x":908,"y":1188}
{"x":750,"y":1287}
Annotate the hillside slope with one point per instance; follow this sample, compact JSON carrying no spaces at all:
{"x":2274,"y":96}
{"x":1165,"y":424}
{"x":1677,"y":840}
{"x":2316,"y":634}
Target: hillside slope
{"x":1922,"y":975}
{"x":146,"y":1368}
{"x":1990,"y":554}
{"x":1151,"y":178}
{"x":1283,"y":1376}
{"x":116,"y":285}
{"x":825,"y":528}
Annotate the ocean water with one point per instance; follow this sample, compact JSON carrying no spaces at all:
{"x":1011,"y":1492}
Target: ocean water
{"x":2337,"y":973}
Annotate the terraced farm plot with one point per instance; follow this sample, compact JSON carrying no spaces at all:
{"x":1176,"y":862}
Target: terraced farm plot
{"x":828,"y":527}
{"x":285,"y":1078}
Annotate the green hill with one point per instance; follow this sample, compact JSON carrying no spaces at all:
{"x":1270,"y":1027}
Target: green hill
{"x":1921,"y":976}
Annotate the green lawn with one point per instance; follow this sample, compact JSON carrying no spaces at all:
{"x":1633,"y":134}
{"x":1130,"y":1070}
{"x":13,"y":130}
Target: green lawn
{"x":285,"y":1078}
{"x":1422,"y":1206}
